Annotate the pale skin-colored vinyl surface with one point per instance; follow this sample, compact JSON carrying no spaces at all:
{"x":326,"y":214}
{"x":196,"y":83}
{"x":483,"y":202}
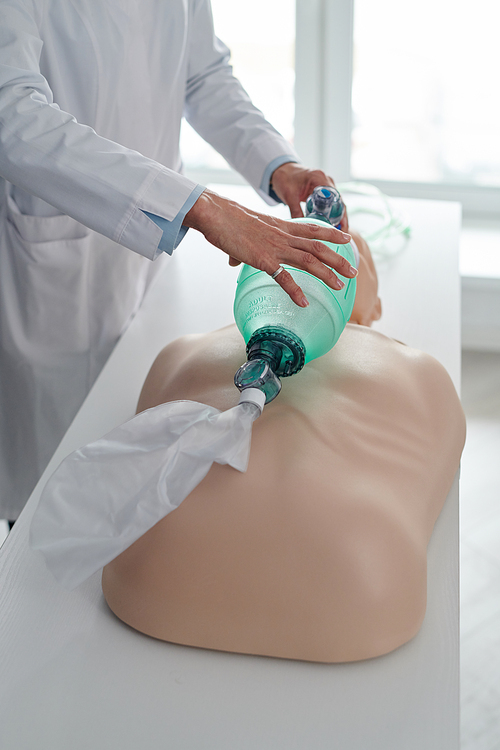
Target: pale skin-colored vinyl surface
{"x":319,"y":551}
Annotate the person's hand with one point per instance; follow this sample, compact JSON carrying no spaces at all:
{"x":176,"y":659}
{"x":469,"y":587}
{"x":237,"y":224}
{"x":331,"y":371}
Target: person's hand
{"x":265,"y":242}
{"x":294,"y":183}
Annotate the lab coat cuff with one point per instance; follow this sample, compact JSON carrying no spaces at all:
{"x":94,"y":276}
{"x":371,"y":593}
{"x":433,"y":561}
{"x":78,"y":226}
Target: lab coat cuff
{"x":164,"y":196}
{"x":265,"y":185}
{"x":174,"y":231}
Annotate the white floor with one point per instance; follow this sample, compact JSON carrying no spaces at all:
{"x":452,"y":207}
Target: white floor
{"x":480,"y":521}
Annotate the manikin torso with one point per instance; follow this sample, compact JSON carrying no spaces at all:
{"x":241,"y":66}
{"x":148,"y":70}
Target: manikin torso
{"x":319,"y":551}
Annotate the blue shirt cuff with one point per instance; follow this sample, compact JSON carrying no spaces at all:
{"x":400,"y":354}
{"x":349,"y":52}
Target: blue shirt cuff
{"x":265,"y":185}
{"x":174,"y":231}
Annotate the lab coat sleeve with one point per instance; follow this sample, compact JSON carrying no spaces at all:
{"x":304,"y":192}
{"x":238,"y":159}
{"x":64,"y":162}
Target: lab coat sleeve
{"x":174,"y":231}
{"x":220,"y":110}
{"x":45,"y":151}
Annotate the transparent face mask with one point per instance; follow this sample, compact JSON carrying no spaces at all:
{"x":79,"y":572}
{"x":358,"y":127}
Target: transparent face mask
{"x":373,"y":215}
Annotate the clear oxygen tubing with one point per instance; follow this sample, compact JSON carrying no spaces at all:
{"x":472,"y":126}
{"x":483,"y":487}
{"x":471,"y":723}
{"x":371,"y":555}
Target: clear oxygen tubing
{"x":375,"y":218}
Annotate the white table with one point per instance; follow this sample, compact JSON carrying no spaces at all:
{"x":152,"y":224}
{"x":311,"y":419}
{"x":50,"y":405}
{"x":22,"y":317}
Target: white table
{"x":74,"y":677}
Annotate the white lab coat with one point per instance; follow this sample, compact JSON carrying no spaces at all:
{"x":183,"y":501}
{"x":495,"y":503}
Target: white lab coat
{"x":92,"y":93}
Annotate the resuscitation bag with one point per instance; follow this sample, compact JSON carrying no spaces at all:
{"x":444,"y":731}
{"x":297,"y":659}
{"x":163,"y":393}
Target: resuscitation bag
{"x":106,"y":495}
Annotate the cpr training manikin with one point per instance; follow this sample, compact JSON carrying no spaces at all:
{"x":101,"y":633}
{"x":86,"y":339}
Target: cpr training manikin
{"x":317,"y":552}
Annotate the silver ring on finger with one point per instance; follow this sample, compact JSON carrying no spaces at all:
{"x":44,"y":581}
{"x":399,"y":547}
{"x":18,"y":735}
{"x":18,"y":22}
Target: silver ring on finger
{"x":277,"y":273}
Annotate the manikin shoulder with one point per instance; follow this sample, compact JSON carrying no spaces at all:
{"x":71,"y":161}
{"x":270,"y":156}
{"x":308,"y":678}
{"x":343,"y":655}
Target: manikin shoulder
{"x":200,"y":367}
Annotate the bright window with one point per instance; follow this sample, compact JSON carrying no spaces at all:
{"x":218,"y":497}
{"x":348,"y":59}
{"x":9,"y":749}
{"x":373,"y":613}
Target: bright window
{"x":425,"y":114}
{"x":261,"y":37}
{"x":425,"y":98}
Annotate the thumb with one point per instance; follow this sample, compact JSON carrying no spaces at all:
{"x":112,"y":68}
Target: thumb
{"x":295,"y":210}
{"x":233,"y":261}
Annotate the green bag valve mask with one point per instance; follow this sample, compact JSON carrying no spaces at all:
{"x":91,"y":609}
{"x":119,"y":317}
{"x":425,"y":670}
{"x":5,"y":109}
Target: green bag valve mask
{"x":281,"y":337}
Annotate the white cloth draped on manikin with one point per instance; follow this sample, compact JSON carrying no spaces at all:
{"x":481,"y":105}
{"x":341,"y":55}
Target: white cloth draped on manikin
{"x":106,"y":495}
